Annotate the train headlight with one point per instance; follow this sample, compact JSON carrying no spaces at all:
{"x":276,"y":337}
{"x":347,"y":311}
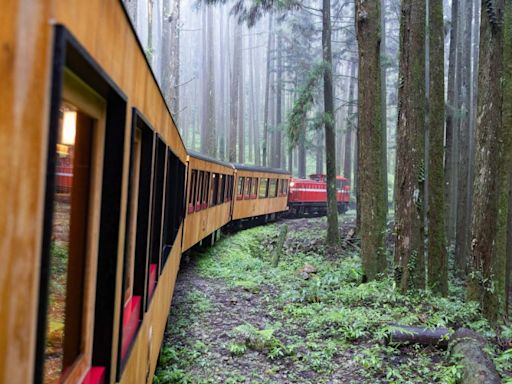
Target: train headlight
{"x":292,"y":184}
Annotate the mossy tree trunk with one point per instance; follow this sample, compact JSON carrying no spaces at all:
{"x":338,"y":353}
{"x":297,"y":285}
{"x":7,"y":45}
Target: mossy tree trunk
{"x":463,"y":214}
{"x":504,"y":231}
{"x":330,"y":134}
{"x":371,"y":143}
{"x":488,"y":159}
{"x":437,"y":256}
{"x":410,"y":167}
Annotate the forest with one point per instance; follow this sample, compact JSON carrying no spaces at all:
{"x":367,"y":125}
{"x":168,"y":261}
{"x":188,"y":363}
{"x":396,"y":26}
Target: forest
{"x":410,"y":100}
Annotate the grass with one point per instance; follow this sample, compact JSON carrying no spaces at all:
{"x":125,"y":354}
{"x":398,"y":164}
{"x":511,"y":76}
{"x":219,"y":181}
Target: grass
{"x":319,"y":326}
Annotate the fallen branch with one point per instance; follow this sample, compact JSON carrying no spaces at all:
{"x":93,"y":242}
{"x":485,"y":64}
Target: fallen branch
{"x":438,"y":337}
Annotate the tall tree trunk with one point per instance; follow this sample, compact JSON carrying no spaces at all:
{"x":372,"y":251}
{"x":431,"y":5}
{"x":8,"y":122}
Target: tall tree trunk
{"x":266,"y":116}
{"x":222,"y":90}
{"x":319,"y":152}
{"x":347,"y":164}
{"x":276,"y":156}
{"x":204,"y":80}
{"x":383,"y":100}
{"x":410,"y":167}
{"x":504,"y":231}
{"x":371,"y":143}
{"x":488,"y":162}
{"x":211,"y":133}
{"x":451,"y":122}
{"x":171,"y":55}
{"x":437,"y":255}
{"x":233,"y":97}
{"x":462,"y":231}
{"x":254,"y":96}
{"x":302,"y":154}
{"x":241,"y":95}
{"x":330,"y":134}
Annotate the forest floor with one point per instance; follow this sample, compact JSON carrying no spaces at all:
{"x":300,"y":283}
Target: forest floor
{"x":236,"y":319}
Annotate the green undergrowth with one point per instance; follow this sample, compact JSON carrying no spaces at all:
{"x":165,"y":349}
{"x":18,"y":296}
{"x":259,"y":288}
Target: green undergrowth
{"x":321,"y":325}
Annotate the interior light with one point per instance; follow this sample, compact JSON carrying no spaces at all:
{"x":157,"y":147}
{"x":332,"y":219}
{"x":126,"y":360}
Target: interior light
{"x":69,"y":128}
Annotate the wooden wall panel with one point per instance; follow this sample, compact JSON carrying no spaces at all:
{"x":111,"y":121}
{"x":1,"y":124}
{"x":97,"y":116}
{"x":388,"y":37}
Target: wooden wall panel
{"x":143,"y":357}
{"x":256,"y":207}
{"x":25,"y":50}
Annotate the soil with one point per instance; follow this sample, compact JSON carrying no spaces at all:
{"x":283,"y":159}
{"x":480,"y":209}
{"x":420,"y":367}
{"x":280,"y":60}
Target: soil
{"x":231,"y":307}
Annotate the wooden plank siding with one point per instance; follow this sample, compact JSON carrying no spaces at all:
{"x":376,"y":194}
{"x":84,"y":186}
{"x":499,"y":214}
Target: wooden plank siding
{"x":200,"y":224}
{"x":259,"y":206}
{"x":26,"y":40}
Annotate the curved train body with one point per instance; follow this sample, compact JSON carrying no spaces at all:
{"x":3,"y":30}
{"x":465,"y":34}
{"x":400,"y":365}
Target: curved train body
{"x":100,"y":197}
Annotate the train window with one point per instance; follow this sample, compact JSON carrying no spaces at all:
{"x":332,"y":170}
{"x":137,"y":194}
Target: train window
{"x":272,"y":189}
{"x":136,"y":261}
{"x":215,"y":189}
{"x":157,"y":215}
{"x":222,"y":187}
{"x":74,"y":246}
{"x":192,"y":191}
{"x":199,"y":190}
{"x":206,"y":189}
{"x":247,"y":193}
{"x":263,"y":187}
{"x":240,"y":188}
{"x":173,"y":195}
{"x":254,"y":188}
{"x":225,"y":190}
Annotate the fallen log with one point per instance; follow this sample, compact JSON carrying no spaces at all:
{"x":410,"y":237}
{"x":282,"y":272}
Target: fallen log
{"x":478,"y":367}
{"x":401,"y":334}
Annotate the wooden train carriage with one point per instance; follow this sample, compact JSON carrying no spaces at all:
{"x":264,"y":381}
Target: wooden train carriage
{"x":87,"y":271}
{"x":210,"y":192}
{"x":259,"y":192}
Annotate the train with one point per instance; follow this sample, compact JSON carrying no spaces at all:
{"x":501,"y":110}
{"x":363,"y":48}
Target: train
{"x":100,"y":197}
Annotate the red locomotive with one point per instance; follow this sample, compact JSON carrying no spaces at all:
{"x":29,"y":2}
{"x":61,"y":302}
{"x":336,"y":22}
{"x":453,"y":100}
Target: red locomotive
{"x":309,"y":196}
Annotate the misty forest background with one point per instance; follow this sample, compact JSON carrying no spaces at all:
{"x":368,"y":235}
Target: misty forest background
{"x":377,"y":91}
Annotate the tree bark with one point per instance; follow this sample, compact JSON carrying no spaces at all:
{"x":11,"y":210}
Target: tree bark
{"x":266,"y":116}
{"x":451,"y":122}
{"x":410,"y":167}
{"x":462,"y":231}
{"x":371,"y":142}
{"x":437,"y":255}
{"x":241,"y":94}
{"x":347,"y":164}
{"x":233,"y":102}
{"x":504,"y":229}
{"x":330,"y":134}
{"x":488,"y":162}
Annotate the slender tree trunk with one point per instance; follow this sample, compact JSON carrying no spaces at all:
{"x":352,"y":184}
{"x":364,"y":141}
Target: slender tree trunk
{"x":276,"y":156}
{"x":462,"y":232}
{"x":302,"y":154}
{"x":347,"y":164}
{"x":319,"y":152}
{"x":437,"y":256}
{"x":330,"y":134}
{"x":210,"y":134}
{"x":371,"y":143}
{"x":266,"y":116}
{"x":241,"y":95}
{"x":488,"y":162}
{"x":222,"y":88}
{"x":254,"y":95}
{"x":451,"y":122}
{"x":204,"y":80}
{"x":233,"y":102}
{"x":410,"y":167}
{"x":383,"y":100}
